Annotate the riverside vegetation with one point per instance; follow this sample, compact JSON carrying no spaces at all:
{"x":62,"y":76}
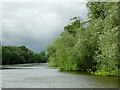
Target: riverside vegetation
{"x":21,"y":55}
{"x":90,"y":45}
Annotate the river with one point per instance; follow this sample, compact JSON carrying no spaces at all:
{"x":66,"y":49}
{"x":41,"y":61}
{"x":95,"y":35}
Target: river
{"x":43,"y":76}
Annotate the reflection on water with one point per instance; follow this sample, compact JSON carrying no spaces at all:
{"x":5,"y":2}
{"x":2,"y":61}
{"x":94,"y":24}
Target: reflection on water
{"x":42,"y":76}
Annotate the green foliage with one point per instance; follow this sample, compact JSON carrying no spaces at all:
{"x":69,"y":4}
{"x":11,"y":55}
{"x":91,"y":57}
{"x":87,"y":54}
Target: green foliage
{"x":107,"y":59}
{"x":75,"y":23}
{"x":90,"y":46}
{"x":96,"y":10}
{"x":21,"y":55}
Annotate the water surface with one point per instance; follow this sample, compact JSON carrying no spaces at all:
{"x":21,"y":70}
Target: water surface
{"x":43,"y":76}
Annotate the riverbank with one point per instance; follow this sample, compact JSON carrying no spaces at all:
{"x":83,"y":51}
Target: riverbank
{"x":31,"y":65}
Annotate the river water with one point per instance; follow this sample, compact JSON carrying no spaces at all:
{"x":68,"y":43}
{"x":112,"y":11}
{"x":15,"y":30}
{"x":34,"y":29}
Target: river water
{"x":43,"y":76}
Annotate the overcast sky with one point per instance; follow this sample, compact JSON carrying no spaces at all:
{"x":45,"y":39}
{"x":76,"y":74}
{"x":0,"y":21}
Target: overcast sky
{"x":36,"y":25}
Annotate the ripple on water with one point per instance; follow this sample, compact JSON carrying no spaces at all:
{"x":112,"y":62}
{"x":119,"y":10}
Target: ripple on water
{"x":42,"y":76}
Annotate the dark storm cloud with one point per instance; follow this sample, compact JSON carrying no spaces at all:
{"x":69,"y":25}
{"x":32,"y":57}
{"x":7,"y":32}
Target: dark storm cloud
{"x":35,"y":25}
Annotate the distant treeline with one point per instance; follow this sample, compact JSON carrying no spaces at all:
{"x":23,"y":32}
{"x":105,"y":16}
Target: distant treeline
{"x":21,"y":55}
{"x":91,"y":45}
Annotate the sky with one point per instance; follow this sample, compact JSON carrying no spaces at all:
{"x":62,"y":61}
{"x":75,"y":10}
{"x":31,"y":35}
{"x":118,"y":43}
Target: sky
{"x":36,"y":24}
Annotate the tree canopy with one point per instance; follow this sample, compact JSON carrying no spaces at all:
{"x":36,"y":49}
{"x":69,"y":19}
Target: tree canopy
{"x":91,"y":45}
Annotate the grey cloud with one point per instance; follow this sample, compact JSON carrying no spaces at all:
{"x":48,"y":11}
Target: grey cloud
{"x":37,"y":24}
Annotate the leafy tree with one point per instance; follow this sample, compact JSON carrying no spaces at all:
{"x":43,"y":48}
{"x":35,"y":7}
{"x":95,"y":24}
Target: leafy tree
{"x":21,"y":54}
{"x":91,"y":45}
{"x":96,"y":10}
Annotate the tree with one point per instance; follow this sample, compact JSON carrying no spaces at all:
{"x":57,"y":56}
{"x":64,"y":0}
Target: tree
{"x":92,"y":47}
{"x":21,"y":55}
{"x":96,"y":10}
